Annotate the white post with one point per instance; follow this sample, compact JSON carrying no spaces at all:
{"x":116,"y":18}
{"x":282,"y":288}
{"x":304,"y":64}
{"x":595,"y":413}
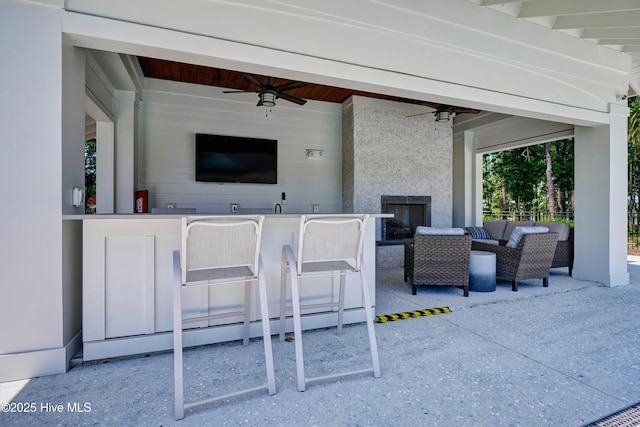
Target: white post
{"x":601,"y":201}
{"x":126,"y":108}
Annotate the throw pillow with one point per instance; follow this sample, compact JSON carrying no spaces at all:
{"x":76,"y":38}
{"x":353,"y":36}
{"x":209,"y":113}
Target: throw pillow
{"x":518,"y":232}
{"x":444,"y":231}
{"x":478,"y":233}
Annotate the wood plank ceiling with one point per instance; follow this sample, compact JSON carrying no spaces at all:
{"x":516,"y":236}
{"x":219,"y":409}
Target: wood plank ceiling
{"x":196,"y":74}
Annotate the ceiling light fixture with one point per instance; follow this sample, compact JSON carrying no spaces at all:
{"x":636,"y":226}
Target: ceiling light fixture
{"x":267,"y":98}
{"x":443,"y":115}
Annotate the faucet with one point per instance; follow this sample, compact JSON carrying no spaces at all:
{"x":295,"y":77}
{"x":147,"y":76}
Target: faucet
{"x":277,"y":208}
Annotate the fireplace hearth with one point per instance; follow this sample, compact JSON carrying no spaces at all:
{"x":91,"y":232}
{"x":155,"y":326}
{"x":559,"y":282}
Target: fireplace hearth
{"x":409,"y":212}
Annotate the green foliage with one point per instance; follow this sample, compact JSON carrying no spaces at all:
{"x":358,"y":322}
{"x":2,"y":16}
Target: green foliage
{"x":521,"y":174}
{"x":633,"y":144}
{"x":542,"y":218}
{"x":491,"y":188}
{"x":89,"y":172}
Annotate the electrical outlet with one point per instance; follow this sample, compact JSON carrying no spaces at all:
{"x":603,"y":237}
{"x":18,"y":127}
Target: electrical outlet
{"x":316,"y":208}
{"x":315,"y":154}
{"x":234,"y":207}
{"x":171,"y":205}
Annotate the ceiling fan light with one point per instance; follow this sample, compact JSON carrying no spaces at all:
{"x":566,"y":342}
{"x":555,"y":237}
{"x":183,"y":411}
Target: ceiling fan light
{"x":443,"y":115}
{"x":267,"y":99}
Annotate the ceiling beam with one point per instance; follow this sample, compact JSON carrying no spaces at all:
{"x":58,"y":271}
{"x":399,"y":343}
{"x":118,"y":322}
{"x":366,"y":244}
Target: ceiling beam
{"x":627,"y":42}
{"x":533,"y":9}
{"x":598,"y":20}
{"x":496,"y":2}
{"x":611,"y":33}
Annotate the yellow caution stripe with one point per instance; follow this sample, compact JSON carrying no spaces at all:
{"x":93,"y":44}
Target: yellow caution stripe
{"x":409,"y":314}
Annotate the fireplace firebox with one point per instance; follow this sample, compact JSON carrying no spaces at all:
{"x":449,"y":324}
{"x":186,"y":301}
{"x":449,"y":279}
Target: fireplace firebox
{"x":408,"y":213}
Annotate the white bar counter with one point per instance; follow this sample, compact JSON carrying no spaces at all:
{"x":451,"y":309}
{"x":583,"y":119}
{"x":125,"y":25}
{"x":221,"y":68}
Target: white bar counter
{"x":127,"y":289}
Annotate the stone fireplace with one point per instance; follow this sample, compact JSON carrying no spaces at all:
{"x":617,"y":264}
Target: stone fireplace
{"x":388,"y":151}
{"x":408,"y":212}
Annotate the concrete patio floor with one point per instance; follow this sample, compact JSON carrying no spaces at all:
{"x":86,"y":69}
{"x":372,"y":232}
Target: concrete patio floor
{"x":557,"y":356}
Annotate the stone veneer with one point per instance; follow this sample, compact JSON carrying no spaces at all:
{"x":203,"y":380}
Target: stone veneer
{"x":385,"y":152}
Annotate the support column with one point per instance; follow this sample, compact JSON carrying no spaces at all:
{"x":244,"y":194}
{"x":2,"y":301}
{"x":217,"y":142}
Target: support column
{"x":467,"y":186}
{"x":126,"y":108}
{"x":32,"y":339}
{"x":601,"y":201}
{"x":104,"y":167}
{"x":476,"y":183}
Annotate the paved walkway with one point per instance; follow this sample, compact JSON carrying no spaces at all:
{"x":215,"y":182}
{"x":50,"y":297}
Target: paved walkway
{"x":557,"y":356}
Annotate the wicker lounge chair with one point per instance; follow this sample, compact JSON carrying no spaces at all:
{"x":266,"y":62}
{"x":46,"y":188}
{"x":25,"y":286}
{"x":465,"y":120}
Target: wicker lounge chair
{"x":438,"y":260}
{"x":531,"y":259}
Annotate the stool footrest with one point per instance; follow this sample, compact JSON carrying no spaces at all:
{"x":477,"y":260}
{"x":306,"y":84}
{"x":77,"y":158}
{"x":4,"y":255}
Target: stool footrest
{"x":226,"y":396}
{"x":344,"y":374}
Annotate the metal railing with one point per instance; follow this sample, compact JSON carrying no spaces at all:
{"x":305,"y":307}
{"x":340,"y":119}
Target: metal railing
{"x":633,"y":222}
{"x":528,"y":216}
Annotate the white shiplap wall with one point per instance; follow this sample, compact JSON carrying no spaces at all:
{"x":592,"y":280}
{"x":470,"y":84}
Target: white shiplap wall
{"x":172,"y":113}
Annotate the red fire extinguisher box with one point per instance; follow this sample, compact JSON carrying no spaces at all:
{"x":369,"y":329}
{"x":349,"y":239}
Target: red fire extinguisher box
{"x":142,"y":201}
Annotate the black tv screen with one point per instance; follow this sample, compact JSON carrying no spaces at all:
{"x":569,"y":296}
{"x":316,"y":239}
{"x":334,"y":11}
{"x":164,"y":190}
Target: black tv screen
{"x":222,"y":158}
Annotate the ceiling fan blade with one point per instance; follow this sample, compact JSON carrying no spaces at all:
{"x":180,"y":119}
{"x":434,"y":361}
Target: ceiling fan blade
{"x":293,"y":99}
{"x":254,"y":80}
{"x":420,"y":114}
{"x":239,"y":91}
{"x":290,"y":86}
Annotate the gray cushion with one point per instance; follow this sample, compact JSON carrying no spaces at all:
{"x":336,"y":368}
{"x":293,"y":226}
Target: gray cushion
{"x":518,"y":232}
{"x":489,"y":241}
{"x":511,"y":225}
{"x":478,"y":233}
{"x":562,"y":228}
{"x":495,"y":227}
{"x":444,"y":231}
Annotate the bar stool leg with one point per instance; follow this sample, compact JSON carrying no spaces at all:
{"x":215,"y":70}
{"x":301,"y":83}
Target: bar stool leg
{"x":283,"y":294}
{"x":369,"y":315}
{"x":177,"y":338}
{"x":341,"y":302}
{"x":297,"y":329}
{"x":247,"y":314}
{"x":266,"y":330}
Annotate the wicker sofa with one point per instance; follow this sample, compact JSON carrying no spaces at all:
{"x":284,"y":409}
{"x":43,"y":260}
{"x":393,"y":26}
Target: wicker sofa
{"x":438,"y":260}
{"x":500,"y":231}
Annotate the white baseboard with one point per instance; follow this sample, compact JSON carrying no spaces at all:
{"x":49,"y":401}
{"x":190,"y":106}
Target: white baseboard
{"x":38,"y":363}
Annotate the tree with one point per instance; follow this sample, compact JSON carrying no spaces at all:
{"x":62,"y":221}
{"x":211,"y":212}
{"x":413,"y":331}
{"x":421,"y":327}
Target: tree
{"x":549,"y":174}
{"x":535,"y":178}
{"x":521,"y":171}
{"x":89,"y":172}
{"x":633,"y":177}
{"x":562,"y":171}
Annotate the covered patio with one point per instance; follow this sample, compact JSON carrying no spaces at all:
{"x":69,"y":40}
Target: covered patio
{"x":562,"y":355}
{"x":533,"y":80}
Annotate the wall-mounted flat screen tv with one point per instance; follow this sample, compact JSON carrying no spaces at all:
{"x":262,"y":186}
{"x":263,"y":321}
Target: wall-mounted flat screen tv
{"x":221,"y":158}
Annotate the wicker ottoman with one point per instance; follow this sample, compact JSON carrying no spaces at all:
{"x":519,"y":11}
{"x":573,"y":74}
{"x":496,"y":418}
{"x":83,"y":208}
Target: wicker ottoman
{"x":482,"y":271}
